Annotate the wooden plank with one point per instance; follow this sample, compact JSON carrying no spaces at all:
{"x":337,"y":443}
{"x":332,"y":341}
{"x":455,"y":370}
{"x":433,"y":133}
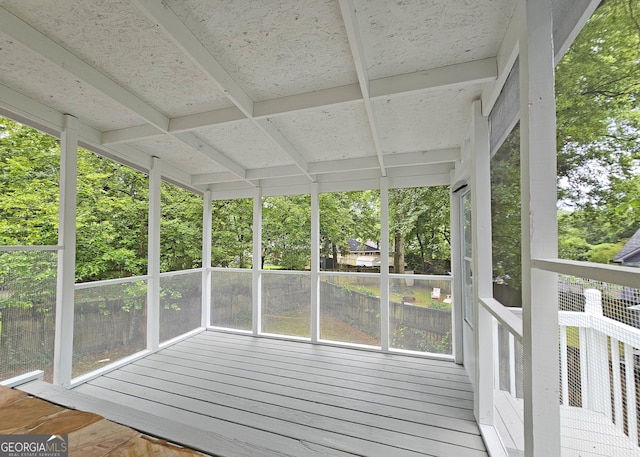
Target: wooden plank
{"x":398,"y":388}
{"x":380,"y":366}
{"x":236,"y":395}
{"x":420,"y":415}
{"x":424,"y":394}
{"x":434,"y":405}
{"x":511,"y":417}
{"x":338,"y":353}
{"x":263,"y":443}
{"x":300,"y":425}
{"x":241,"y":396}
{"x":307,"y":362}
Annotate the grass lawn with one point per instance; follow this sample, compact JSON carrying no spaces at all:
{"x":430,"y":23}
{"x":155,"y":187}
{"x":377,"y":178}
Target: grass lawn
{"x":298,"y":323}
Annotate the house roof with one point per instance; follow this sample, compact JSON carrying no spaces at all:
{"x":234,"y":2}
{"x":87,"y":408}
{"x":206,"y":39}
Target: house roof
{"x":358,"y":246}
{"x":231,"y":95}
{"x":630,"y":249}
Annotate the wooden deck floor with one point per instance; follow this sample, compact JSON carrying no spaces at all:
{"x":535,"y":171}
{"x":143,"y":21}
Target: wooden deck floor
{"x":235,"y":395}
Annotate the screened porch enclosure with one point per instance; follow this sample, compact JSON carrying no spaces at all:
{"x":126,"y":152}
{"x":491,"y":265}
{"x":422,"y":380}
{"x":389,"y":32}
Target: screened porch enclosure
{"x":273,"y":349}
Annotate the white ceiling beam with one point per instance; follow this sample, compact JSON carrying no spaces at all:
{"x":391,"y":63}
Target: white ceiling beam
{"x":212,"y":153}
{"x":139,"y":132}
{"x":47,"y":48}
{"x":282,"y":142}
{"x":441,"y":179}
{"x":308,"y":100}
{"x":357,"y":51}
{"x":422,"y":170}
{"x":190,"y":45}
{"x":478,"y":71}
{"x":53,"y":52}
{"x":273,"y":172}
{"x":333,"y":166}
{"x":411,"y":159}
{"x":33,"y":113}
{"x":435,"y":161}
{"x":317,"y":99}
{"x":211,"y":178}
{"x":206,"y":119}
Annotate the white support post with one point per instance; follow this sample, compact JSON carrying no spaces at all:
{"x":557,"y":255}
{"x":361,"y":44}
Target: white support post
{"x":153,"y":255}
{"x":539,"y":231}
{"x":315,"y":262}
{"x":495,"y":332}
{"x":564,"y":366}
{"x":206,"y":259}
{"x":482,"y":264}
{"x":512,"y":366}
{"x":384,"y":263}
{"x":597,"y":356}
{"x":257,"y":262}
{"x":618,"y":402}
{"x":65,"y":295}
{"x":630,"y":384}
{"x":455,"y":221}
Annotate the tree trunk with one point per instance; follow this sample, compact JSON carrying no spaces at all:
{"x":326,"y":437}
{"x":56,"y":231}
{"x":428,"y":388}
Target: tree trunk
{"x":334,"y":253}
{"x":398,"y":254}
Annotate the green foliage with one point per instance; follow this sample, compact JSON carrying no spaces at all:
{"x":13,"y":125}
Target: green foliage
{"x":29,"y":170}
{"x":180,"y":229}
{"x":348,"y":215}
{"x":598,"y":119}
{"x":505,"y":210}
{"x":420,"y":229}
{"x":232,"y":233}
{"x":286,"y":225}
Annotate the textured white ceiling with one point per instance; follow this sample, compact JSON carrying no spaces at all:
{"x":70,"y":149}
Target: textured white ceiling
{"x":273,"y":48}
{"x":329,"y":133}
{"x":230,"y":93}
{"x":412,"y":35}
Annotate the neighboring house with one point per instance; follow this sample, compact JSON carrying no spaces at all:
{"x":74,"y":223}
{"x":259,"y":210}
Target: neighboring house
{"x":629,"y":255}
{"x":361,"y":254}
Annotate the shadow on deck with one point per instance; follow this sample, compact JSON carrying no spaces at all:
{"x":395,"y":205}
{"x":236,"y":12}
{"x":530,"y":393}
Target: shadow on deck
{"x":237,"y":395}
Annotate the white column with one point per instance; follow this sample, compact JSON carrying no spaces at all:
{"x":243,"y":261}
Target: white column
{"x":153,"y":256}
{"x":384,"y":263}
{"x":539,"y":231}
{"x":257,"y":262}
{"x":456,"y":268}
{"x":206,"y":259}
{"x":315,"y":262}
{"x":65,"y":295}
{"x":482,"y":263}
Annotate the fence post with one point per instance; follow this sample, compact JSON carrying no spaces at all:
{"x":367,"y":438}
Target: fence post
{"x":597,"y":357}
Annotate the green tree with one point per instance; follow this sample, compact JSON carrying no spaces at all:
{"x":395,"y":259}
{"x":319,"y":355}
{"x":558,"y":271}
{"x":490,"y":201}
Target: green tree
{"x":598,"y":119}
{"x":345,"y":216}
{"x":420,"y":228}
{"x":232,"y":233}
{"x":286,"y":226}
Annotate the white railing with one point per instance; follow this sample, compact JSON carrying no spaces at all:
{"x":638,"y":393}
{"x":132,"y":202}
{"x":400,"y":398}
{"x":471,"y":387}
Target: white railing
{"x":604,"y":380}
{"x":110,"y":324}
{"x":27,"y":305}
{"x":599,"y":361}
